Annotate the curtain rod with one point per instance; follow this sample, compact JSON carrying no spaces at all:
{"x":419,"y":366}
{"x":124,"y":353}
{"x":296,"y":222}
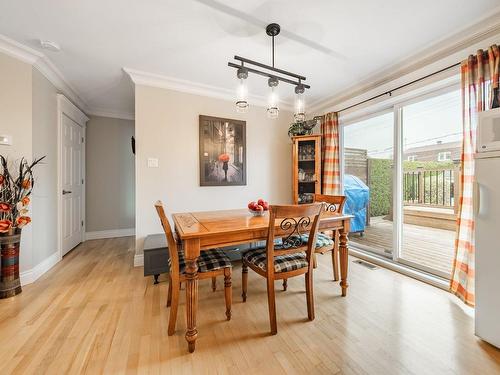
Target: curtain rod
{"x":399,"y":87}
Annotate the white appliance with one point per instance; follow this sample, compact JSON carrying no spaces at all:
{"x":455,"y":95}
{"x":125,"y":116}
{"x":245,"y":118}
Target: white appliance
{"x":487,"y":216}
{"x":488,"y":131}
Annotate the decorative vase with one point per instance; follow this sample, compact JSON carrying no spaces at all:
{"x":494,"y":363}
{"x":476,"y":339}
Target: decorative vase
{"x":10,"y":284}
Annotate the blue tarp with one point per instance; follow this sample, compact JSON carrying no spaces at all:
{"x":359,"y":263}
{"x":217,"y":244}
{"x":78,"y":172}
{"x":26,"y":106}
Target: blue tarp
{"x":357,"y":198}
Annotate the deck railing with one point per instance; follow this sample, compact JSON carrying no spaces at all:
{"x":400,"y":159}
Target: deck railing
{"x":431,"y":187}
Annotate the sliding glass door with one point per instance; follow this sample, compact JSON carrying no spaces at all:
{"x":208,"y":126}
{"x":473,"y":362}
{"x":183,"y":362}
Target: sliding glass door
{"x":368,"y":176}
{"x":407,"y":160}
{"x":431,"y":148}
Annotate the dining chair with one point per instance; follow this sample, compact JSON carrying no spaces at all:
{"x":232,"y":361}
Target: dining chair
{"x":211,"y":263}
{"x":332,"y":204}
{"x":288,"y":257}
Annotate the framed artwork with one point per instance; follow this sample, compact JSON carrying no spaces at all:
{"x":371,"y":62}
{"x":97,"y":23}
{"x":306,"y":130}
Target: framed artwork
{"x":222,"y":152}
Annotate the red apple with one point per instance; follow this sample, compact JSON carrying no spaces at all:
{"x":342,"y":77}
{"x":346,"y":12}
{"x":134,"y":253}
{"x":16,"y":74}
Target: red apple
{"x":261,"y":201}
{"x":252,"y":205}
{"x":259,"y":208}
{"x":266,"y":206}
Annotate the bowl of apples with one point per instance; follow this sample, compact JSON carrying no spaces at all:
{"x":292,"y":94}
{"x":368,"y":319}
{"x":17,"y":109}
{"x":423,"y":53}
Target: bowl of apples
{"x":258,"y":208}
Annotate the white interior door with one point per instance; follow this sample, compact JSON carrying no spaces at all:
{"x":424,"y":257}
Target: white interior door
{"x":72,"y":184}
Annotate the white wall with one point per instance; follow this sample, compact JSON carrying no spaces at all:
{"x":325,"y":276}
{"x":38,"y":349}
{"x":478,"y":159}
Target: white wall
{"x":28,"y":112}
{"x":44,"y":199}
{"x":110,"y":174}
{"x":15,"y":120}
{"x":166,"y":128}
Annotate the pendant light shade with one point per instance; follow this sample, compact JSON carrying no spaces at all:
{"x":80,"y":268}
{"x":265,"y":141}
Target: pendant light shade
{"x":242,"y":91}
{"x":273,"y":99}
{"x":300,"y":104}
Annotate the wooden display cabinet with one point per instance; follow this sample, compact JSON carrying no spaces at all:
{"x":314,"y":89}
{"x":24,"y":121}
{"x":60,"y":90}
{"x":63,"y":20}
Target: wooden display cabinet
{"x":306,"y":165}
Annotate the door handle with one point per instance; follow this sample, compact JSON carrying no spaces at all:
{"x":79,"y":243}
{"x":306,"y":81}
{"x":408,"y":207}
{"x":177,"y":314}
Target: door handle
{"x":66,"y":192}
{"x":475,"y":200}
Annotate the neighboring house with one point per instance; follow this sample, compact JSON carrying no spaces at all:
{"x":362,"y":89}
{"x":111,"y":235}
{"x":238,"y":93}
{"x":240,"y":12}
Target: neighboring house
{"x":437,"y":152}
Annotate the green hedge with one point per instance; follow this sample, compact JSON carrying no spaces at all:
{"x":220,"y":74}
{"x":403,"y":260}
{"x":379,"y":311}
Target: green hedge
{"x":381,"y":181}
{"x":380,"y":186}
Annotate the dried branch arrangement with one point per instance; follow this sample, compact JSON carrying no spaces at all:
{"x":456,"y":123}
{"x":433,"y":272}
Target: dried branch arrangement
{"x":15,"y":191}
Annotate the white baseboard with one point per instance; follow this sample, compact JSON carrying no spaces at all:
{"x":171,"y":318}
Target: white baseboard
{"x":30,"y":276}
{"x":139,"y":260}
{"x":109,"y":234}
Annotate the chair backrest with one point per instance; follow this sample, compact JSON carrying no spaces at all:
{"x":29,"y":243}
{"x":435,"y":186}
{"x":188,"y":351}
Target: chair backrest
{"x":290,"y":223}
{"x":171,"y":242}
{"x":331,"y":203}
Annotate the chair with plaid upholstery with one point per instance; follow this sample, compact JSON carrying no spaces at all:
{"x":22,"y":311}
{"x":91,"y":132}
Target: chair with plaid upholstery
{"x":289,"y":257}
{"x":333,"y":204}
{"x":211,"y":264}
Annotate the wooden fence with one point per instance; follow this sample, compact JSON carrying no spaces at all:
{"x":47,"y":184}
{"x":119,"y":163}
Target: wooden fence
{"x":438,"y":187}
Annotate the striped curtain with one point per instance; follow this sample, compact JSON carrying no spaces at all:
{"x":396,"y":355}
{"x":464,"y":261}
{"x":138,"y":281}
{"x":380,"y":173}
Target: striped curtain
{"x":494,"y":67}
{"x":330,"y":158}
{"x":479,"y":85}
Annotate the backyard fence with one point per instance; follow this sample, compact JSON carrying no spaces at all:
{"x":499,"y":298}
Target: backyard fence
{"x":437,"y":187}
{"x":424,"y":183}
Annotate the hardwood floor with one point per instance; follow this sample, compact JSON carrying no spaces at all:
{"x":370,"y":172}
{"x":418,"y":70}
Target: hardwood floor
{"x":95,"y":313}
{"x":431,"y":247}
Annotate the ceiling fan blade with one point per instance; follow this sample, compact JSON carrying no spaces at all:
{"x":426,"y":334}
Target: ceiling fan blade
{"x":260,"y":23}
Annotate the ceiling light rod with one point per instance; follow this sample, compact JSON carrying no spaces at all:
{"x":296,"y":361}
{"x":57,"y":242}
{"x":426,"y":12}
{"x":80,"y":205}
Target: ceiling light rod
{"x":269,"y":75}
{"x":281,"y":71}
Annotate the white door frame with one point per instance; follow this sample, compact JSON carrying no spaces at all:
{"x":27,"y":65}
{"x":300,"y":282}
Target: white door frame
{"x":65,"y":107}
{"x":397,"y":108}
{"x":398,"y":197}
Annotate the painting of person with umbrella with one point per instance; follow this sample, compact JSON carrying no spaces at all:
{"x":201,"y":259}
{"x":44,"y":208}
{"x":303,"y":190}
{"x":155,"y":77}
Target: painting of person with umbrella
{"x":224,"y":159}
{"x":222,"y":152}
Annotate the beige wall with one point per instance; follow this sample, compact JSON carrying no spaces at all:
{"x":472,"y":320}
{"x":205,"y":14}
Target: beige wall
{"x":15,"y":120}
{"x":44,"y":200}
{"x":110,"y":174}
{"x":167,"y":129}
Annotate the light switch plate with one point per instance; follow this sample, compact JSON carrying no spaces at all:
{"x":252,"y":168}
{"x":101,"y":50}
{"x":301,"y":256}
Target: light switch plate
{"x":152,"y":163}
{"x":6,"y":140}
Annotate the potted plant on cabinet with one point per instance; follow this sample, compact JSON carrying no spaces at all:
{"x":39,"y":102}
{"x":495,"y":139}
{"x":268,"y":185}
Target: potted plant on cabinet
{"x":15,"y":191}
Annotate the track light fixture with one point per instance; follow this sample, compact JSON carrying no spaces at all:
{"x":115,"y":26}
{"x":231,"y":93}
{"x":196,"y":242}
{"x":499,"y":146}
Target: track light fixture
{"x":274,"y":76}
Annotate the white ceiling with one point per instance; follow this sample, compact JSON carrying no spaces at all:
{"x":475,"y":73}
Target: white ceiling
{"x":335,"y":44}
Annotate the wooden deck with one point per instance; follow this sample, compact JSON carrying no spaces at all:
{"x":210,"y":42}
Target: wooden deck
{"x":430,"y":247}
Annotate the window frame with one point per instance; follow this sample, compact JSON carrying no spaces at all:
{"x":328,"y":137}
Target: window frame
{"x":445,"y":153}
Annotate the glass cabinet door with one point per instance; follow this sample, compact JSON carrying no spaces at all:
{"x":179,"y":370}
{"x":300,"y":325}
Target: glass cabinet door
{"x":306,"y":175}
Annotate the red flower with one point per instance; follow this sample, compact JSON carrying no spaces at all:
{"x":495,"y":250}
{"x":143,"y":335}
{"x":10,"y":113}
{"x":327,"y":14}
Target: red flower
{"x":26,"y":184}
{"x":25,"y":201}
{"x":2,"y":179}
{"x":5,"y":207}
{"x":21,"y":221}
{"x":5,"y":225}
{"x":224,"y":158}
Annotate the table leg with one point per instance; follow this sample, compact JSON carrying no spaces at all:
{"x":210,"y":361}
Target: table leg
{"x":191,"y":253}
{"x":343,"y":259}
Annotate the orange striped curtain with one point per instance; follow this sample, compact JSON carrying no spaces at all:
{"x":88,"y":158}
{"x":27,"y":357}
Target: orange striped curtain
{"x":479,"y":85}
{"x":330,"y":158}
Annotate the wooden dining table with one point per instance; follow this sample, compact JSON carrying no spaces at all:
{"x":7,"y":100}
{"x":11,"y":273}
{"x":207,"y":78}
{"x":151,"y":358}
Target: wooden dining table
{"x":202,"y":231}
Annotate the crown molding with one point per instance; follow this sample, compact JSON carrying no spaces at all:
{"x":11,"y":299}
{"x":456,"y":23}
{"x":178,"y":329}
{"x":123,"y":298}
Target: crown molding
{"x":42,"y":63}
{"x":435,"y":57}
{"x":160,"y":81}
{"x":105,"y":112}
